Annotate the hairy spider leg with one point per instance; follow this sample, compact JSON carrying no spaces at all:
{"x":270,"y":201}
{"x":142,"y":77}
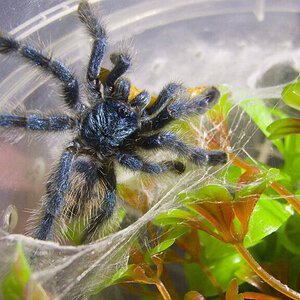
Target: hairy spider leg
{"x":122,"y":62}
{"x":133,"y":162}
{"x":98,"y":33}
{"x":171,"y":142}
{"x":37,"y":122}
{"x":57,"y":188}
{"x":70,"y":84}
{"x":179,"y":108}
{"x":104,"y":212}
{"x":141,"y":100}
{"x":122,"y":89}
{"x":164,"y":98}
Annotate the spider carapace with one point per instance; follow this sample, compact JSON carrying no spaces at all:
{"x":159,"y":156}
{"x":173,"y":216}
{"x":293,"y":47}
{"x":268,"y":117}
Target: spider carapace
{"x":107,"y":129}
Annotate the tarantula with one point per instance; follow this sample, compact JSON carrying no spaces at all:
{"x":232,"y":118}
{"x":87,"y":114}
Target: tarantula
{"x":108,"y":129}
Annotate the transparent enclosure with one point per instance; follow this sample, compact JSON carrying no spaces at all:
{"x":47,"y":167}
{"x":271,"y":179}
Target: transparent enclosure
{"x":193,"y":42}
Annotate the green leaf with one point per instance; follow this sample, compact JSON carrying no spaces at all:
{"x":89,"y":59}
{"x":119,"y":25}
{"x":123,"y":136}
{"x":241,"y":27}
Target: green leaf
{"x":169,"y":239}
{"x":262,"y":116}
{"x":230,"y":174}
{"x":15,"y":281}
{"x":291,"y":95}
{"x":214,"y":249}
{"x":210,"y":193}
{"x":283,"y":127}
{"x":222,"y":269}
{"x":162,"y":246}
{"x":214,"y":193}
{"x":118,"y":277}
{"x":290,"y":234}
{"x":224,"y":104}
{"x":267,"y":217}
{"x":173,"y":217}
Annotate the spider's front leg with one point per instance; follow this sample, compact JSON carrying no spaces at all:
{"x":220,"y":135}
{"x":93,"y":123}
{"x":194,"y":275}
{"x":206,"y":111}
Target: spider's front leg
{"x":54,"y":67}
{"x":57,"y":189}
{"x":98,"y":33}
{"x":164,"y":98}
{"x":122,"y":91}
{"x":170,"y":141}
{"x":179,"y":107}
{"x":172,"y":110}
{"x":140,"y":101}
{"x":122,"y":62}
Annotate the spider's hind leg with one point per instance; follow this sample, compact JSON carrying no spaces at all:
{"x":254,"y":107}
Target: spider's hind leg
{"x":55,"y":67}
{"x":105,"y":210}
{"x":57,"y":189}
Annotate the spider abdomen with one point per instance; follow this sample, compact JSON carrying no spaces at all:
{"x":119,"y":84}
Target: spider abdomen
{"x":107,"y":125}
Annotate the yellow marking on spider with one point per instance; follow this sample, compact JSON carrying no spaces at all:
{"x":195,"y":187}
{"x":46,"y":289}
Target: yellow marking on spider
{"x":134,"y":91}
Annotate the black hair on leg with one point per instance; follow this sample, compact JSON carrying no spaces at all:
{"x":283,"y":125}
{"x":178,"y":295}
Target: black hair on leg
{"x":37,"y":122}
{"x":181,"y":107}
{"x":122,"y":89}
{"x":164,"y":98}
{"x":135,"y":163}
{"x":98,"y":33}
{"x":56,"y":68}
{"x":57,"y":188}
{"x":169,"y":141}
{"x":141,"y":100}
{"x":121,"y":63}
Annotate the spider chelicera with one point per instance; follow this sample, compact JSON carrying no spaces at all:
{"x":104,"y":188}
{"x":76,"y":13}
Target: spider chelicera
{"x":106,"y":130}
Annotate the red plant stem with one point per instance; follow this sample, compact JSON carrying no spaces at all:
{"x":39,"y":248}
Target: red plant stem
{"x":258,"y":296}
{"x":163,"y":291}
{"x":264,"y":275}
{"x":287,"y":195}
{"x":222,"y":128}
{"x":237,"y":161}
